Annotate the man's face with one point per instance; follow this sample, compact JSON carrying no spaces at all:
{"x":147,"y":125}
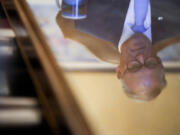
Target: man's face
{"x":139,"y":65}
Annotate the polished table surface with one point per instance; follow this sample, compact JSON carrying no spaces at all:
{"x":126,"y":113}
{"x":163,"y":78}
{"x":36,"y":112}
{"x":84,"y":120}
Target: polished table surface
{"x":110,"y":112}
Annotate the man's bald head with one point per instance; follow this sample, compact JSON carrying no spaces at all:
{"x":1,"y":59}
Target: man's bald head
{"x":144,"y":84}
{"x":140,"y":69}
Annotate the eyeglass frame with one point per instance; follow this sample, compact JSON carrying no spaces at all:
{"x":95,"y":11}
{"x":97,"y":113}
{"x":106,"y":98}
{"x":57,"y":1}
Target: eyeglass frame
{"x":156,"y":58}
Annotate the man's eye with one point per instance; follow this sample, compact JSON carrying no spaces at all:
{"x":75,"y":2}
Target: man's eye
{"x":151,"y":63}
{"x":134,"y":66}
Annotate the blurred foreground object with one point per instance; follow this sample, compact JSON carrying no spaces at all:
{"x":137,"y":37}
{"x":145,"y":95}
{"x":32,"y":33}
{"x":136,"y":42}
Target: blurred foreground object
{"x":19,"y":111}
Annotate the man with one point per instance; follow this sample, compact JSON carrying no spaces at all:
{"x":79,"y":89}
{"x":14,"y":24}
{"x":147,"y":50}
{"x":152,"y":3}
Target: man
{"x":114,"y":26}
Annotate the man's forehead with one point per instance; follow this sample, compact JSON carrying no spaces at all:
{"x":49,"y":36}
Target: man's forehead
{"x":144,"y":73}
{"x":142,"y":84}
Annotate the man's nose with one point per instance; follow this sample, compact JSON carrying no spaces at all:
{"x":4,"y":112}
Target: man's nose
{"x":140,"y":58}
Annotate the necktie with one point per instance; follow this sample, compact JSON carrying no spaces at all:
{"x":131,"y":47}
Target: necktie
{"x":140,"y":10}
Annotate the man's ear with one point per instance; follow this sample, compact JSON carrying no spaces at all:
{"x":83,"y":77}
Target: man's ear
{"x":119,"y":73}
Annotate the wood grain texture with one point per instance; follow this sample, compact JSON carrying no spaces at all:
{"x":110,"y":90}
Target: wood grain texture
{"x":110,"y":112}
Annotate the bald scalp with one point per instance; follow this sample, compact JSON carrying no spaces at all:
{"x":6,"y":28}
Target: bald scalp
{"x":144,"y":90}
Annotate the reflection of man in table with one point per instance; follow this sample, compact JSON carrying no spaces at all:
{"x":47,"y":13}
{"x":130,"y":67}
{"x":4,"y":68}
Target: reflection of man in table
{"x":129,"y":27}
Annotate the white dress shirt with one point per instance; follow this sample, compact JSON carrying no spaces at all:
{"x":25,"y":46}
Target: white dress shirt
{"x":130,"y":21}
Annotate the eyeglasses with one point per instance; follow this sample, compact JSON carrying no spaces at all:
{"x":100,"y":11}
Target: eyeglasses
{"x":150,"y":63}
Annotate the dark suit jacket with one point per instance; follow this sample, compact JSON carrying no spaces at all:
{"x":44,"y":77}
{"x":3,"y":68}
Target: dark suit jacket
{"x":106,"y":18}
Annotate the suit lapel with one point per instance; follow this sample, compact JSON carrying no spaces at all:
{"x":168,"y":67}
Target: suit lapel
{"x":165,"y":19}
